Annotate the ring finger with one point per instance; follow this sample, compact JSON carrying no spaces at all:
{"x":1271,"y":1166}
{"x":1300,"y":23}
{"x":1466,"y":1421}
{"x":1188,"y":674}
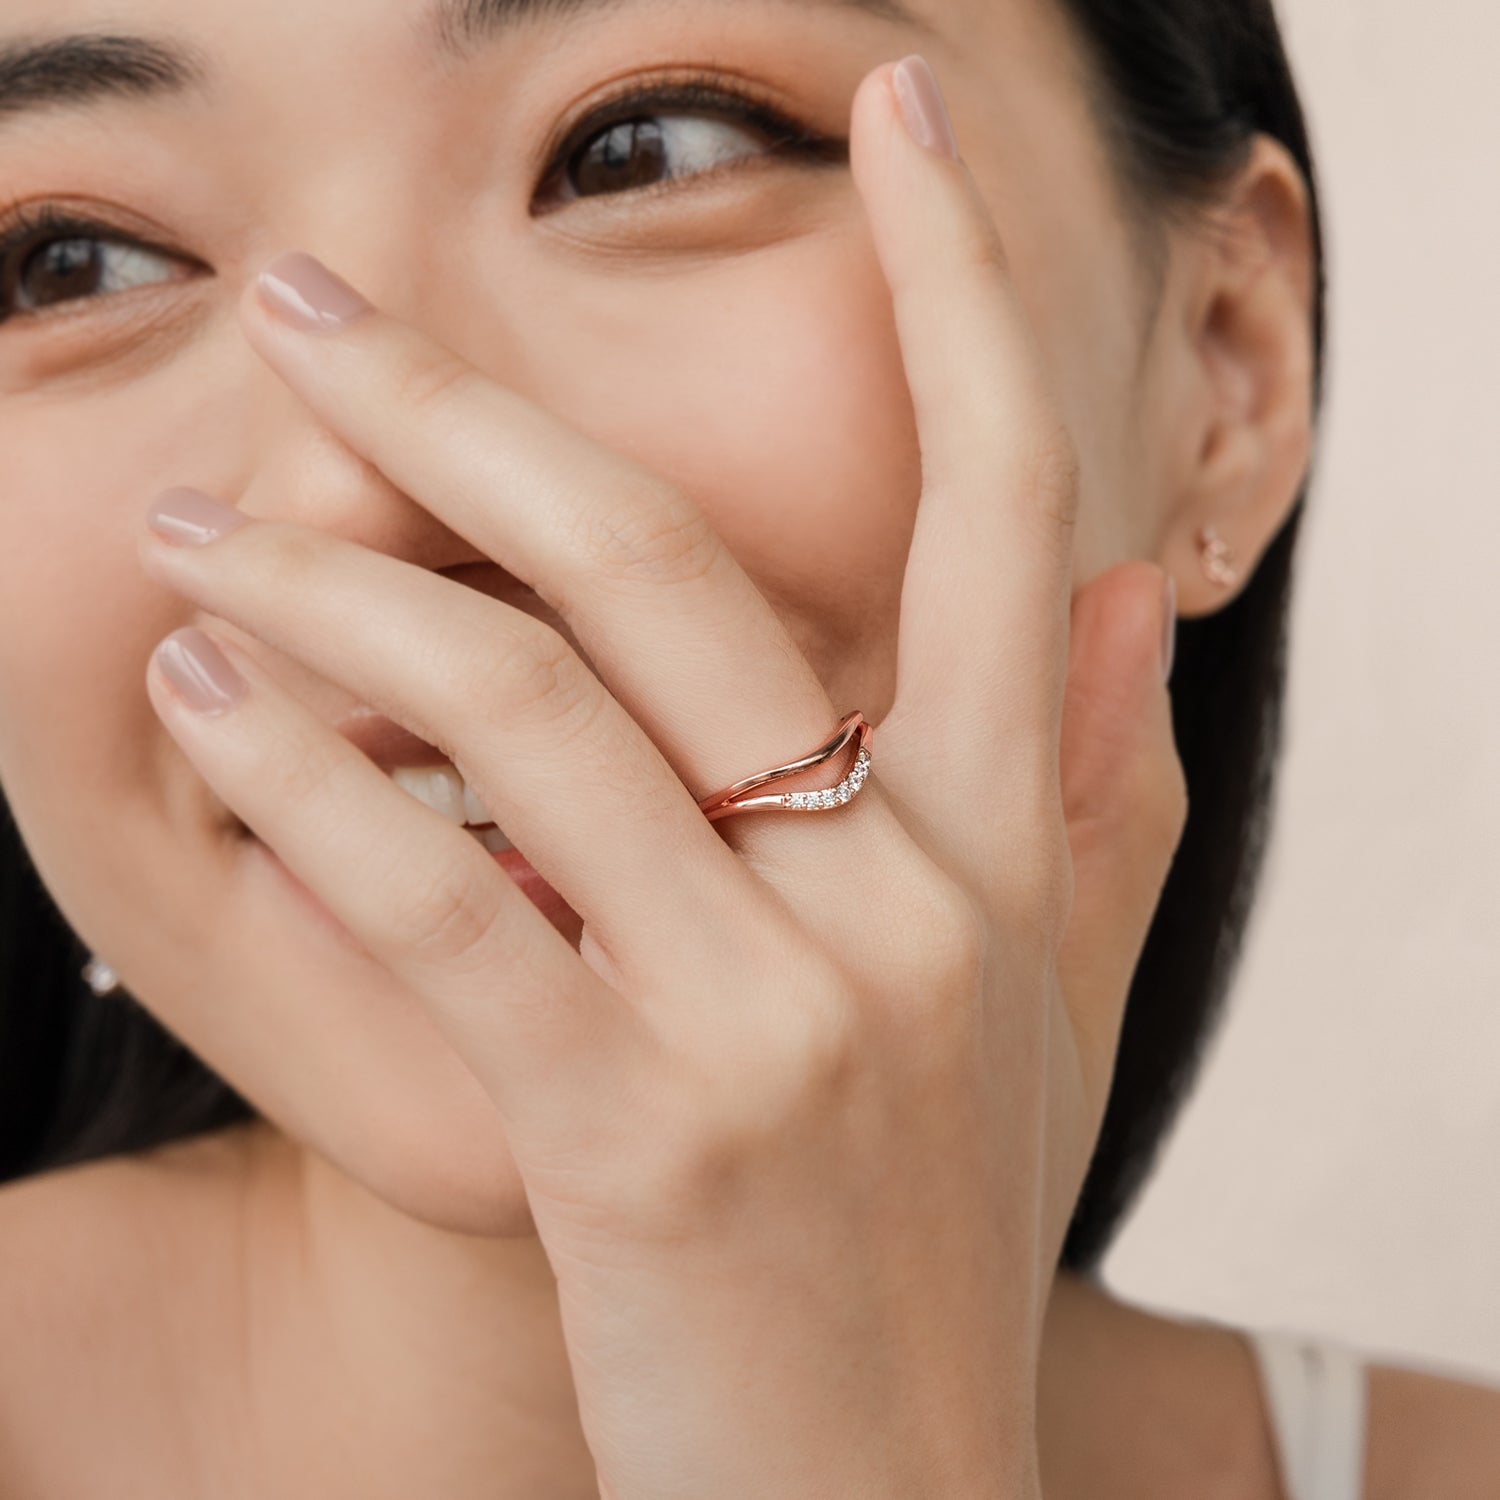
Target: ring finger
{"x":423,"y":897}
{"x":548,"y":751}
{"x":683,"y":637}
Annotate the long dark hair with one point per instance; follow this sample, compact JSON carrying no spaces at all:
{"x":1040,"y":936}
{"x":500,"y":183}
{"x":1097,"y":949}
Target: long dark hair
{"x":1181,"y":88}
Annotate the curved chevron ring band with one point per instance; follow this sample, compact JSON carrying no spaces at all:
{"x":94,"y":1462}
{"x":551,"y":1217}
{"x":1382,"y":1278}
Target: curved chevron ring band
{"x":737,"y":798}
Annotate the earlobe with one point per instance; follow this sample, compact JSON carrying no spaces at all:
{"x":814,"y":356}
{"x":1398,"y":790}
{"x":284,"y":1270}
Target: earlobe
{"x":1250,"y":333}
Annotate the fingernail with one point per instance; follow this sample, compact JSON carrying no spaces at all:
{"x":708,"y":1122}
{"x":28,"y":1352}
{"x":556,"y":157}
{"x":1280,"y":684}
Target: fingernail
{"x":1169,"y":629}
{"x":190,"y":518}
{"x":304,"y":293}
{"x":922,"y":105}
{"x":199,"y":671}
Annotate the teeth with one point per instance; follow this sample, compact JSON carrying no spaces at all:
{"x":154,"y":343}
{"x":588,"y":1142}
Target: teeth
{"x":473,"y":812}
{"x":444,"y":790}
{"x":495,"y":841}
{"x":440,"y":787}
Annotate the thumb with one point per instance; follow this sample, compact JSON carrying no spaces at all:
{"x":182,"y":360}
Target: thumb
{"x":1124,"y":800}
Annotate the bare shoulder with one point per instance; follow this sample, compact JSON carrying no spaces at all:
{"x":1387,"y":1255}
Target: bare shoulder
{"x":1137,"y":1403}
{"x":1431,"y":1432}
{"x":103,"y":1268}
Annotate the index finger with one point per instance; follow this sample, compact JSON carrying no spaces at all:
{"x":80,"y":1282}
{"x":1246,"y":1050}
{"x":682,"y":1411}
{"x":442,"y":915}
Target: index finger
{"x":985,"y":604}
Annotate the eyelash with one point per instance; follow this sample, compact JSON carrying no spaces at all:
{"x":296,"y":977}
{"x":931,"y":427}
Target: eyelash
{"x":26,"y":229}
{"x":702,"y":93}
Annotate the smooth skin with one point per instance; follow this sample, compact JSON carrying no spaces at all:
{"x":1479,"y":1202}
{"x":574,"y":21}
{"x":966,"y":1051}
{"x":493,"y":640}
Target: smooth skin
{"x":275,"y":1304}
{"x":739,"y":1131}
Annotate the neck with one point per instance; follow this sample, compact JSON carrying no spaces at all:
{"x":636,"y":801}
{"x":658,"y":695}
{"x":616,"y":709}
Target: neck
{"x":427,"y":1361}
{"x":385,"y":1356}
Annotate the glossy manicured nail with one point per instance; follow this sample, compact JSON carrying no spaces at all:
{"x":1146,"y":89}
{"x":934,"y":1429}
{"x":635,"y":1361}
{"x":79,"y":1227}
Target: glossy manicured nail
{"x":1169,"y":630}
{"x":190,"y":518}
{"x":303,"y":292}
{"x":922,"y":105}
{"x":199,"y":671}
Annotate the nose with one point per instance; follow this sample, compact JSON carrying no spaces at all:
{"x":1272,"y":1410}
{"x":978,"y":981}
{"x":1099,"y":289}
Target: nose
{"x":293,"y":468}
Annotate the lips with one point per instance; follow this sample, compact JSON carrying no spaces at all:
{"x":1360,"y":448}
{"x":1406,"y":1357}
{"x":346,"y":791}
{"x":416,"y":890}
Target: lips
{"x":387,"y":743}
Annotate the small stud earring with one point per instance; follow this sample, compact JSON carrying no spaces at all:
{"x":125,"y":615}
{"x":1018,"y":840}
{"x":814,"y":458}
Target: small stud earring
{"x":99,"y":977}
{"x":1217,"y":557}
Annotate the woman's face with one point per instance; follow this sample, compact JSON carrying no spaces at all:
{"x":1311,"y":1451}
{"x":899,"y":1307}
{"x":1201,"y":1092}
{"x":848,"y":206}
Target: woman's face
{"x":731,"y":329}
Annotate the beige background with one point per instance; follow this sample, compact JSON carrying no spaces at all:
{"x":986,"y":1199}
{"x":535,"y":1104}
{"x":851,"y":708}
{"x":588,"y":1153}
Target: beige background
{"x":1338,"y":1170}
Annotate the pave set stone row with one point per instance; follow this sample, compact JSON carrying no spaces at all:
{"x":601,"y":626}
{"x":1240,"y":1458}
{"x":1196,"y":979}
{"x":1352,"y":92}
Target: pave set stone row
{"x":847,"y":788}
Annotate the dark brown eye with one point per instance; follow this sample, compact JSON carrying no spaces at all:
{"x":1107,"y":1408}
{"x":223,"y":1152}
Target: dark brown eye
{"x":648,"y":150}
{"x":61,"y":271}
{"x":43,"y":267}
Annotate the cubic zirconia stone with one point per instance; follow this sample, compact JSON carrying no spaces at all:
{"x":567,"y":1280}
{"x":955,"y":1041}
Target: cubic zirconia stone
{"x":844,"y":794}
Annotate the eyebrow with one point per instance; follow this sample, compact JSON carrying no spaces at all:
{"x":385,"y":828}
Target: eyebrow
{"x":87,"y":68}
{"x":84,"y":69}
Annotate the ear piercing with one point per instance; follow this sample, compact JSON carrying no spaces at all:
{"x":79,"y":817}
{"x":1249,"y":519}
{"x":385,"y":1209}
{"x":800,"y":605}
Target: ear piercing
{"x":99,"y":977}
{"x":1217,"y":557}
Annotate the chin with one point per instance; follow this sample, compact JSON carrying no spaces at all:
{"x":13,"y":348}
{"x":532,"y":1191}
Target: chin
{"x":450,"y":1174}
{"x":368,"y":1086}
{"x":492,"y":1205}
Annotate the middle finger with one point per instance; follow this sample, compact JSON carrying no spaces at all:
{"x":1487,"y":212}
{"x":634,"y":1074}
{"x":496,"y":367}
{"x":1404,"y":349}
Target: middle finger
{"x":683,"y":637}
{"x":550,"y":754}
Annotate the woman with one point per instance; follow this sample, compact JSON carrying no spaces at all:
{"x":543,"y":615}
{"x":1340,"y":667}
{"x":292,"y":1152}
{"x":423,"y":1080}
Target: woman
{"x":675,"y":343}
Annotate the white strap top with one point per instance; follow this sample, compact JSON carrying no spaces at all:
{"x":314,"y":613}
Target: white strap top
{"x":1316,"y":1398}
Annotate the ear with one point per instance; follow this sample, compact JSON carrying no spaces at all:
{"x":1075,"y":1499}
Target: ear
{"x":1238,"y":421}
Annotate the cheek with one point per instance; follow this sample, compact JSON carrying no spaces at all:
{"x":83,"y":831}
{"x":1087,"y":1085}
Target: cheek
{"x":78,"y":738}
{"x":770,"y":388}
{"x":326,"y":1044}
{"x":121,"y":831}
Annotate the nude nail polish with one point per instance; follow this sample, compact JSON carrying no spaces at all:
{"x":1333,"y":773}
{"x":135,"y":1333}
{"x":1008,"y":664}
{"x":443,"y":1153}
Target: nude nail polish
{"x":302,"y":292}
{"x":922,"y":105}
{"x":199,"y":671}
{"x":190,"y":518}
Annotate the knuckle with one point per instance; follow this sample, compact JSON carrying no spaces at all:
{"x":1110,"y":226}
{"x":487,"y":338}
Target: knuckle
{"x":300,"y":770}
{"x":930,"y":932}
{"x":447,"y":918}
{"x":934,"y":971}
{"x":753,"y":1092}
{"x":654,"y":538}
{"x":816,"y":1042}
{"x":543,"y":681}
{"x":431,"y":379}
{"x":951,"y":937}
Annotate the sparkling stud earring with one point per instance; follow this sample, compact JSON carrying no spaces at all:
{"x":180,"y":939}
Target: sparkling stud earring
{"x":1217,"y":557}
{"x":99,"y":977}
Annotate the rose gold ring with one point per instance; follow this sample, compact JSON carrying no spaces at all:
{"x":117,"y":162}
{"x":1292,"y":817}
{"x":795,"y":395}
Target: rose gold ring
{"x":737,"y":798}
